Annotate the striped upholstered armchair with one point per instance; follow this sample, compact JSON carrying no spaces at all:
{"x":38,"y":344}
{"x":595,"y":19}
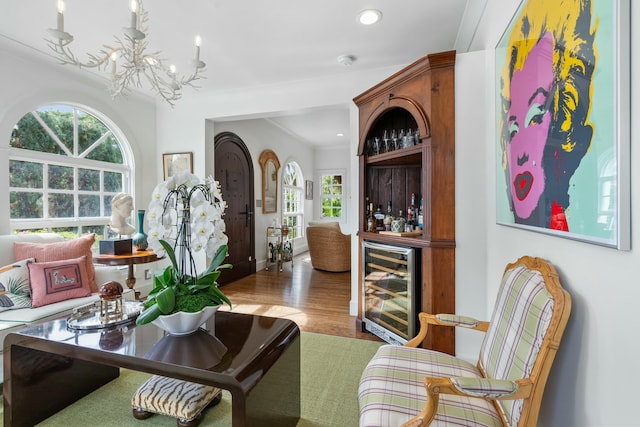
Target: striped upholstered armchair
{"x":410,"y":386}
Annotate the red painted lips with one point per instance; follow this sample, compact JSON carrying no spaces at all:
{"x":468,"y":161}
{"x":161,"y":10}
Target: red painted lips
{"x":522,"y":184}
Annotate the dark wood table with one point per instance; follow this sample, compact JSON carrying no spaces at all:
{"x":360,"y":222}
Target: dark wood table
{"x":136,"y":257}
{"x":257,"y":359}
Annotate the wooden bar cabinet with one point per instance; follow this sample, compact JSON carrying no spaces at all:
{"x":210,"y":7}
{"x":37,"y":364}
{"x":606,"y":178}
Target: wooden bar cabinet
{"x":418,"y":100}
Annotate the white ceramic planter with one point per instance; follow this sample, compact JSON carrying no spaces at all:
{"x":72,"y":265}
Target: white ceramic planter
{"x":183,"y":323}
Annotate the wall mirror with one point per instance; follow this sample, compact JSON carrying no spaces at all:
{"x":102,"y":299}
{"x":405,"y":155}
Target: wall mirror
{"x":270,"y":164}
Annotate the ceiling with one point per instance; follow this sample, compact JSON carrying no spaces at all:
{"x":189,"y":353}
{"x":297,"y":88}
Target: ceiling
{"x":256,"y":42}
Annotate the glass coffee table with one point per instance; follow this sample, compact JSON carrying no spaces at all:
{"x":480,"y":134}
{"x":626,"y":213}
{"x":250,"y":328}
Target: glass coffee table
{"x":256,"y":358}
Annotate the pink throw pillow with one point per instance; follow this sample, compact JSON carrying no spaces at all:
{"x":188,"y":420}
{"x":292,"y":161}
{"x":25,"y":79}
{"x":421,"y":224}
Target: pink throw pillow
{"x":46,"y":252}
{"x":58,"y":281}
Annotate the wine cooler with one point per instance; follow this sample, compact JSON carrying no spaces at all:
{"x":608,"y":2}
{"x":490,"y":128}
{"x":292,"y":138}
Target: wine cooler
{"x":390,"y":291}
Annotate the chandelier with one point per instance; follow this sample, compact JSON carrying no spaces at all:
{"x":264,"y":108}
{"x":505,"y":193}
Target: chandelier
{"x":126,"y":60}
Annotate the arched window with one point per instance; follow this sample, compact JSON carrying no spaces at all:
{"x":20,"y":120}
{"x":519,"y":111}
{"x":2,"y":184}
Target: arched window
{"x":292,"y":199}
{"x":65,"y":166}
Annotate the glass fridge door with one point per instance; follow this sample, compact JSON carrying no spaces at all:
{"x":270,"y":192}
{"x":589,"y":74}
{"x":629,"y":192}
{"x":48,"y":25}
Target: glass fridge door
{"x":389,"y":297}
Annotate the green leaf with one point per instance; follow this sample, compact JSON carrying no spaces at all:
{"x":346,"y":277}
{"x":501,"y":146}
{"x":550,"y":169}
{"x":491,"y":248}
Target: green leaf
{"x":209,"y":278}
{"x":220,"y":255}
{"x":167,"y":277}
{"x":148,"y":315}
{"x":222,"y":297}
{"x":149,"y":301}
{"x":170,"y":253}
{"x":166,"y":300}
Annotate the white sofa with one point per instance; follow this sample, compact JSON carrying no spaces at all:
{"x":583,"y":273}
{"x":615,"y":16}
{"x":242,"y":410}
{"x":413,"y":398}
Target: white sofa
{"x":13,"y":320}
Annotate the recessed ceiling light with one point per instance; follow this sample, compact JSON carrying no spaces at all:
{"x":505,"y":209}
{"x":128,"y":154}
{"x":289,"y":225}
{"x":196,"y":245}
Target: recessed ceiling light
{"x":369,"y":16}
{"x":340,"y":134}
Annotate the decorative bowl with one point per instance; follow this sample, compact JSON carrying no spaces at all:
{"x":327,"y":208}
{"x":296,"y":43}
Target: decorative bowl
{"x":183,"y":323}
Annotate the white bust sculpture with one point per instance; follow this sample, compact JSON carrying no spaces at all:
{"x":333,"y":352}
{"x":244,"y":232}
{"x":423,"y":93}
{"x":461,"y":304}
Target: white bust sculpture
{"x":121,"y":207}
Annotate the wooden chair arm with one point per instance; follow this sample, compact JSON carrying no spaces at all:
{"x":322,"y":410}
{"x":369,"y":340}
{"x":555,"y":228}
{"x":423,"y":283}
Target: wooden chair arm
{"x":427,"y":319}
{"x":481,"y":388}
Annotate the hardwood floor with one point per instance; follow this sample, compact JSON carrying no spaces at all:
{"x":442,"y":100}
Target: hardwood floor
{"x":317,"y":301}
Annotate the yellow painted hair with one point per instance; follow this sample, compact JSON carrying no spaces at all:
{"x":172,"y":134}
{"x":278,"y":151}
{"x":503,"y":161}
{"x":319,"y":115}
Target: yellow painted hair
{"x":574,"y":58}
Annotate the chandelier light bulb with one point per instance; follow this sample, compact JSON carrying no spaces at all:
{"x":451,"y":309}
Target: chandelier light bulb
{"x":133,"y":6}
{"x":196,"y":61}
{"x":60,"y":26}
{"x":114,"y":58}
{"x":198,"y":41}
{"x":134,"y":15}
{"x":58,"y":32}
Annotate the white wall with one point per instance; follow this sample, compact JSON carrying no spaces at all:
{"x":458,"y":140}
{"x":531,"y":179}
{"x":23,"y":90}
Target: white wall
{"x":471,"y":200}
{"x":593,"y":382}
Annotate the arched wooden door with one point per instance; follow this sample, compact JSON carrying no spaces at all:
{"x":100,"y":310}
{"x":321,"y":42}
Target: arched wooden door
{"x":234,"y":171}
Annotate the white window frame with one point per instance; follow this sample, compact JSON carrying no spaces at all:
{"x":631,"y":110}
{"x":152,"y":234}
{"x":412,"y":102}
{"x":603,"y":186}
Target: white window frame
{"x":299,"y":192}
{"x":75,"y":160}
{"x":333,"y":172}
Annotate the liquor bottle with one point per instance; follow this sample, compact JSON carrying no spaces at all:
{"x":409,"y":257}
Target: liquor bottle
{"x":388,"y":217}
{"x":413,"y":206}
{"x":420,"y":216}
{"x":411,"y":214}
{"x":379,"y":216}
{"x":408,"y":227}
{"x":371,"y":221}
{"x":400,"y":222}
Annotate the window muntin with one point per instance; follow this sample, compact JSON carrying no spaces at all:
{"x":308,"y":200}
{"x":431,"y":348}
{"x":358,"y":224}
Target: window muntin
{"x":65,"y":166}
{"x":292,"y":199}
{"x":331,"y":195}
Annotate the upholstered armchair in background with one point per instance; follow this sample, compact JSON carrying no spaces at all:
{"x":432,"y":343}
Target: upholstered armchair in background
{"x":329,"y":248}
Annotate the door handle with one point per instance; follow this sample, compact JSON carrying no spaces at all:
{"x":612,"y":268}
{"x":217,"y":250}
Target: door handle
{"x":248,"y":213}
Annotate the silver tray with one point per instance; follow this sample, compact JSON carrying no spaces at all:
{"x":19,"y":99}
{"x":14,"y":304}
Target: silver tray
{"x":88,"y":316}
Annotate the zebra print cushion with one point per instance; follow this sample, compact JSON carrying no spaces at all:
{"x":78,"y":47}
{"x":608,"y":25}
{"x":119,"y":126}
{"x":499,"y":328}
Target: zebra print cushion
{"x":175,"y":398}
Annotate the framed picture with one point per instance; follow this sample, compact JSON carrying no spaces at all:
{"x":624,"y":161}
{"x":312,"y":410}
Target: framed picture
{"x":174,"y":163}
{"x":309,"y":190}
{"x":563,"y":120}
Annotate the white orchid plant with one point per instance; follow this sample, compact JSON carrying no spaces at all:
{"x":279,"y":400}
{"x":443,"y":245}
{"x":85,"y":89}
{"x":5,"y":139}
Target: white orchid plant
{"x":184,"y":217}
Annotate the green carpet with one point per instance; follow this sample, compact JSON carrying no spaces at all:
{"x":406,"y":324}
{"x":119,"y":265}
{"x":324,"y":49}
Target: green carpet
{"x":331,"y":368}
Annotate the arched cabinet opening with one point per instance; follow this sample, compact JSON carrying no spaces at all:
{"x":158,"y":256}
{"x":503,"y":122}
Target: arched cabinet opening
{"x":398,"y":118}
{"x":394,"y":130}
